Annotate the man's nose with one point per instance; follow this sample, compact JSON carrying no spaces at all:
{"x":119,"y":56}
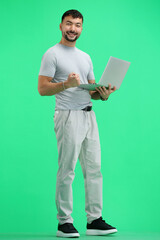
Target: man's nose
{"x":73,"y":28}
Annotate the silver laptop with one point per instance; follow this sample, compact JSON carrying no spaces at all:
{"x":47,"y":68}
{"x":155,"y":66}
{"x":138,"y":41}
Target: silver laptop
{"x":114,"y":74}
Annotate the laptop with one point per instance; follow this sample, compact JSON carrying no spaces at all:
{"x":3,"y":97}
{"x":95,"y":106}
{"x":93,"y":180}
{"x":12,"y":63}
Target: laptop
{"x":114,"y":74}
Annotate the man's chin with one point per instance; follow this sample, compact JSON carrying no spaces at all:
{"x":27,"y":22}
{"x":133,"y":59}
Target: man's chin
{"x":70,"y":39}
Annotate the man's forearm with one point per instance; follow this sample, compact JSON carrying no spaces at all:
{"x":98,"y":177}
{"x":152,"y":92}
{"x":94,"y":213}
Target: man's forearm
{"x":50,"y":88}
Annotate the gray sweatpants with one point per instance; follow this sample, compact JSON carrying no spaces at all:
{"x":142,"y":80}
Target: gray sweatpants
{"x":77,"y":137}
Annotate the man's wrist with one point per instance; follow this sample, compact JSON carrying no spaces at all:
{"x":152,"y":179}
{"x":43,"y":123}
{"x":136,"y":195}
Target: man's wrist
{"x":103,"y":99}
{"x":65,"y":84}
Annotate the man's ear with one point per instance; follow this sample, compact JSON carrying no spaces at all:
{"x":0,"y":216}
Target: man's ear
{"x":60,"y":26}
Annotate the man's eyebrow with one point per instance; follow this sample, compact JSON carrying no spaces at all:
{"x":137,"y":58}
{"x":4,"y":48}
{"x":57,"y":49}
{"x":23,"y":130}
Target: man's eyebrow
{"x":72,"y":22}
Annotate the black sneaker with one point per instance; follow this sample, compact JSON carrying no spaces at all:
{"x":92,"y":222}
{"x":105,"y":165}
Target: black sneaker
{"x":67,"y":230}
{"x":99,"y":227}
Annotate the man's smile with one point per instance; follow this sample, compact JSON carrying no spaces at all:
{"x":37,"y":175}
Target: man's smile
{"x":71,"y":34}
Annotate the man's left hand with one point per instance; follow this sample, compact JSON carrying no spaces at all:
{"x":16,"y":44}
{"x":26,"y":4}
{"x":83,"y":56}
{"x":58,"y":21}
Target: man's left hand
{"x":104,"y":93}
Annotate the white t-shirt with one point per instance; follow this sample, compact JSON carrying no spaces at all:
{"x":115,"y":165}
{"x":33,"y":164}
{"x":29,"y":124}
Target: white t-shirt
{"x":58,"y":62}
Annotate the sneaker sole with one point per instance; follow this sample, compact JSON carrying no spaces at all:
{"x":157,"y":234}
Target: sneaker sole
{"x":67,"y":235}
{"x":100,"y":232}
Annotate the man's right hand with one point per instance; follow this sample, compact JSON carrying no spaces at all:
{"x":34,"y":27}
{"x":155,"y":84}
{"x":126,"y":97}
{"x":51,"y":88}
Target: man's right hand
{"x":73,"y":80}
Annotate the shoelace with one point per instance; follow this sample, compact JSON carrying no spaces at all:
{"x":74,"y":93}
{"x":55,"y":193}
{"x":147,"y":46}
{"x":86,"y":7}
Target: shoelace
{"x":100,"y":219}
{"x":70,"y":226}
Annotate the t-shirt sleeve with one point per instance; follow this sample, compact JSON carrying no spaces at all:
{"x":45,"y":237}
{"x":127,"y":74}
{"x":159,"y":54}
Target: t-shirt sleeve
{"x":91,"y":73}
{"x":48,"y":64}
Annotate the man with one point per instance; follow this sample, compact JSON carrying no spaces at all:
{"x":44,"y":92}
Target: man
{"x":62,"y":70}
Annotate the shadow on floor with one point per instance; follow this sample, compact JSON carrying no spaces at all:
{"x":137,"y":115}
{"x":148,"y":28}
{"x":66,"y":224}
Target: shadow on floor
{"x":52,"y":236}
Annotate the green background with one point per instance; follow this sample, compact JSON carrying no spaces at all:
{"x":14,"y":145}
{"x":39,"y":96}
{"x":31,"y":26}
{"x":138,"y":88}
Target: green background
{"x":129,"y":122}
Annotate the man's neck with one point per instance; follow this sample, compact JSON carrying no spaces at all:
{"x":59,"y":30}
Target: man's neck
{"x":67,"y":43}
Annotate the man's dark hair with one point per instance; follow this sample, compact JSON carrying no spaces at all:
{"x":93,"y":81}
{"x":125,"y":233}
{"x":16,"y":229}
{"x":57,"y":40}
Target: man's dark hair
{"x":74,"y":13}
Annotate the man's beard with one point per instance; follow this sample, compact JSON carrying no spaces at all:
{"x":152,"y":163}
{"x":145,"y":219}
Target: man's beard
{"x":68,"y":39}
